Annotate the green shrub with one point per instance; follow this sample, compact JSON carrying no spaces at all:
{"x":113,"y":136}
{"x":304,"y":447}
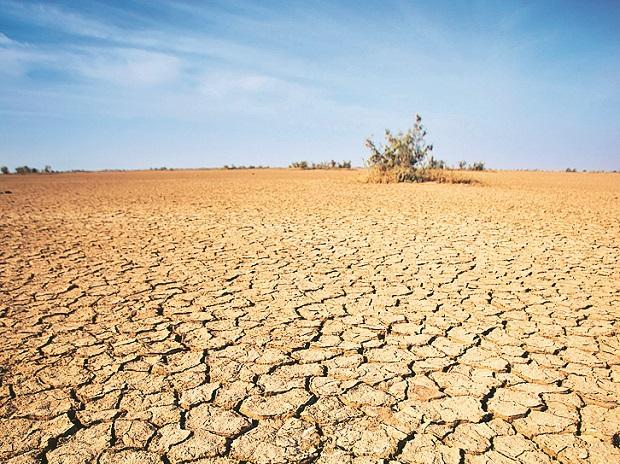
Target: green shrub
{"x":4,"y":170}
{"x":405,"y":157}
{"x":404,"y":151}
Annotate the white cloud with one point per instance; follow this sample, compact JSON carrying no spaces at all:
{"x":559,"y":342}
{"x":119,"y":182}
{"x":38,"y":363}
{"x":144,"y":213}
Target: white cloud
{"x":119,"y":66}
{"x":4,"y":40}
{"x":16,"y":58}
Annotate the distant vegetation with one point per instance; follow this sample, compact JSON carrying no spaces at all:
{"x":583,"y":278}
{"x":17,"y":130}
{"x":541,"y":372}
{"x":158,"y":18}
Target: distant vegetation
{"x":477,"y":166}
{"x":323,"y":165}
{"x":27,"y":170}
{"x":251,"y":166}
{"x":405,"y":157}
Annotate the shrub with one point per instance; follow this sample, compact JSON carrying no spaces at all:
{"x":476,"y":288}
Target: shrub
{"x":401,"y":152}
{"x":571,"y":170}
{"x":4,"y":170}
{"x":405,"y":158}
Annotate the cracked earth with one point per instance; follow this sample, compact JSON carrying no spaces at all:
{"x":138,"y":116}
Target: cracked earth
{"x":279,"y":316}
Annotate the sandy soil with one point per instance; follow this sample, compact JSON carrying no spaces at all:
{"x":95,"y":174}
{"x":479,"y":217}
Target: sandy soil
{"x":286,"y":316}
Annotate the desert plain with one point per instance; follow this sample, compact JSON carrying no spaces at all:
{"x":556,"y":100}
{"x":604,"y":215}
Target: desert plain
{"x":285,"y":316}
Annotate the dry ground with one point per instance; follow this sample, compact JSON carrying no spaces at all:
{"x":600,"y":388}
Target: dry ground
{"x":286,"y":316}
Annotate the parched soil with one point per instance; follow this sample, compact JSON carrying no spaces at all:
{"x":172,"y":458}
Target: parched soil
{"x":277,"y":316}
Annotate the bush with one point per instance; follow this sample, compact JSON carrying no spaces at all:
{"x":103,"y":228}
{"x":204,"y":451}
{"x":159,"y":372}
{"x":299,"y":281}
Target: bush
{"x":405,"y":158}
{"x":401,"y":152}
{"x":4,"y":170}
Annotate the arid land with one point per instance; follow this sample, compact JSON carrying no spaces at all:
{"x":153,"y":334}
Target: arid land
{"x":277,"y":316}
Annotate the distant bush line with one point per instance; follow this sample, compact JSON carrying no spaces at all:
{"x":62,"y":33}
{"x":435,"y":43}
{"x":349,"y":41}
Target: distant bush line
{"x":323,"y":165}
{"x":27,"y":170}
{"x":251,"y":166}
{"x":398,"y":171}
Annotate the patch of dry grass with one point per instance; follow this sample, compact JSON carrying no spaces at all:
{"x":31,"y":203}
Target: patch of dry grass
{"x":378,"y":175}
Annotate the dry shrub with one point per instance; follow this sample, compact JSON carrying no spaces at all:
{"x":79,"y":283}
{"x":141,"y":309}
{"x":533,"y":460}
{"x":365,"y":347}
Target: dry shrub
{"x":444,"y":176}
{"x":400,"y":174}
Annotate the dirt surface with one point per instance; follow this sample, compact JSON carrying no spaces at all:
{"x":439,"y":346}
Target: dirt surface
{"x":284,"y":316}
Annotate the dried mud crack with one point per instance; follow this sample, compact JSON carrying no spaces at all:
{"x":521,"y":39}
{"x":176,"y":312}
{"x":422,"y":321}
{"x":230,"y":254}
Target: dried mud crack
{"x":305,"y":317}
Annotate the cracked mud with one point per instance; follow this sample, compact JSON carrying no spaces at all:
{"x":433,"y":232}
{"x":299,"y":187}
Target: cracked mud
{"x":279,"y":316}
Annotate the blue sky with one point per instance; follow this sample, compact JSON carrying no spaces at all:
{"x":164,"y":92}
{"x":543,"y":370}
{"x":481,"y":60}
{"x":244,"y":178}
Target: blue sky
{"x":143,"y":83}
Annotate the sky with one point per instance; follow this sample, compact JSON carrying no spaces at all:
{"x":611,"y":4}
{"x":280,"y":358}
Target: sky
{"x":142,"y":83}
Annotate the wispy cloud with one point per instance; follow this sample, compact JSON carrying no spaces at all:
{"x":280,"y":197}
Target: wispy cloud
{"x":4,"y":40}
